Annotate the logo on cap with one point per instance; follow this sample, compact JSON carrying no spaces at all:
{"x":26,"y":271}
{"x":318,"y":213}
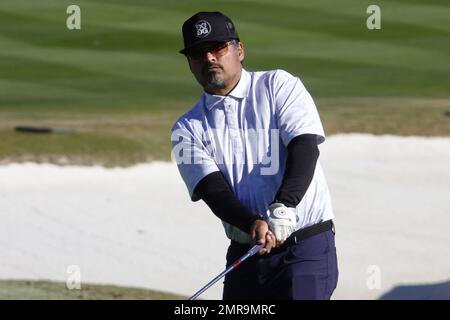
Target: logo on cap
{"x":203,"y":28}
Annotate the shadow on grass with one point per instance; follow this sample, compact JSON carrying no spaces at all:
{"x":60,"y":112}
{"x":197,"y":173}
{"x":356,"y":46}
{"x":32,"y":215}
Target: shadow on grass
{"x":438,"y":291}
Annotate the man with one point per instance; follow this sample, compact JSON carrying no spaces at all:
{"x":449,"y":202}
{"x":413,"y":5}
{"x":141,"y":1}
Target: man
{"x":248,"y":148}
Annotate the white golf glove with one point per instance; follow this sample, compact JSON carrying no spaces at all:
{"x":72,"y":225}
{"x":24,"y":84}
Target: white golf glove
{"x":282,"y":220}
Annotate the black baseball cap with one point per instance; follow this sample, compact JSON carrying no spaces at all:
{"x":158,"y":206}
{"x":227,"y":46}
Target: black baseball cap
{"x":206,"y":27}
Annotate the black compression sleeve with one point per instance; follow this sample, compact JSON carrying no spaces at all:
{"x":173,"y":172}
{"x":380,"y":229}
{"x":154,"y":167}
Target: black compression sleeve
{"x":300,"y":166}
{"x":216,"y":192}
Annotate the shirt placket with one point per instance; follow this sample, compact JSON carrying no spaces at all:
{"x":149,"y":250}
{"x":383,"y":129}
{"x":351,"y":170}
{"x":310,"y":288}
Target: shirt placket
{"x":230,"y":106}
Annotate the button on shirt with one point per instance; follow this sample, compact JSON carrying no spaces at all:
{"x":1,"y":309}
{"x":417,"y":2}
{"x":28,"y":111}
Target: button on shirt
{"x":245,"y":135}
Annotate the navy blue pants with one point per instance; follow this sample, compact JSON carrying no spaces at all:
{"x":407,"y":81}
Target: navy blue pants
{"x":304,"y":271}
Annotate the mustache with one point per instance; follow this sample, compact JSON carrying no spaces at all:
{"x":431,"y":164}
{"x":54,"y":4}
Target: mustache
{"x":210,"y":65}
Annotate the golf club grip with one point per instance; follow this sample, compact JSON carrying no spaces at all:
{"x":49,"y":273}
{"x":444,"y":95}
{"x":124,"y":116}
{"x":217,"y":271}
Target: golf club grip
{"x":249,"y":253}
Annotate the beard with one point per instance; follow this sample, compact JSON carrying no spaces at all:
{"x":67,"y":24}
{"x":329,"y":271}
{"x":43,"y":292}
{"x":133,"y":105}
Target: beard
{"x":214,"y":81}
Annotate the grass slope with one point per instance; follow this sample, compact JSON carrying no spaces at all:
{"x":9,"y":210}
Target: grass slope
{"x":49,"y":290}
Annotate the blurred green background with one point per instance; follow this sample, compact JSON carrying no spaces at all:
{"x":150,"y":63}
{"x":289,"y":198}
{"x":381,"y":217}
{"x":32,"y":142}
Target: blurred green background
{"x":120,"y":82}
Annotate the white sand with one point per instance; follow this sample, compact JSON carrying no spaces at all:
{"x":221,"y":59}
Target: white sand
{"x":137,"y":227}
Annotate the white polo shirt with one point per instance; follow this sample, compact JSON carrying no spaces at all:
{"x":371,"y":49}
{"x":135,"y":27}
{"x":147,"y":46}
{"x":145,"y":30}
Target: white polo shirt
{"x":244,"y":135}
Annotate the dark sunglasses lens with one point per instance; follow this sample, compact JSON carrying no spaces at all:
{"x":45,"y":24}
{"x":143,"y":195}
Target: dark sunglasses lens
{"x":198,"y":53}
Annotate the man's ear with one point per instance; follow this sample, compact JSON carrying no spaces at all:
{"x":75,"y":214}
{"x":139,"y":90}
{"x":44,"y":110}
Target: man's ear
{"x":241,"y":52}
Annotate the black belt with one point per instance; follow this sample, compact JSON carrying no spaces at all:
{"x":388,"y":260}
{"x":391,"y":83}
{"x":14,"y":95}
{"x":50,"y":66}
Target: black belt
{"x":307,"y":232}
{"x":301,"y":234}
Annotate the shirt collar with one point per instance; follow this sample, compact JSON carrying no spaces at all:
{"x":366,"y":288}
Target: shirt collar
{"x":239,"y":92}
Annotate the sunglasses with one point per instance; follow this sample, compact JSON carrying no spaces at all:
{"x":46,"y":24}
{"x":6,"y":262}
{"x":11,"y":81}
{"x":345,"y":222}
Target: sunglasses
{"x":217,"y":49}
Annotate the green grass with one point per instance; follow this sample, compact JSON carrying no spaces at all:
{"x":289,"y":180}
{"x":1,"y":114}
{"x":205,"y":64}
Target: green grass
{"x":120,"y":82}
{"x":103,"y":139}
{"x":395,"y":116}
{"x":118,"y":140}
{"x":50,"y":290}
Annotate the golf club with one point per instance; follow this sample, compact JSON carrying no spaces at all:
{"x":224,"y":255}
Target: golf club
{"x":234,"y":265}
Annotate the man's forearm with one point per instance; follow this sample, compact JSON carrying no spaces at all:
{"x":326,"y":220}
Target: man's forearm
{"x":300,"y":166}
{"x":215,"y":191}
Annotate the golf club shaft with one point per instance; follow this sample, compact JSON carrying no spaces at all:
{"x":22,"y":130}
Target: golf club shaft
{"x":250,"y":253}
